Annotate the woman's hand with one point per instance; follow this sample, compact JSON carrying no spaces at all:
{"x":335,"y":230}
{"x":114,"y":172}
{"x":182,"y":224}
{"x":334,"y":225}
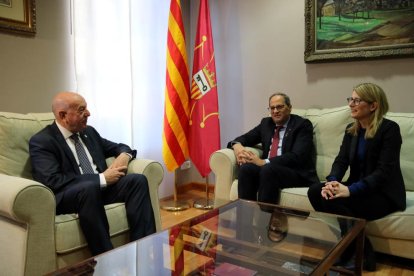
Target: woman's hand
{"x":334,"y":189}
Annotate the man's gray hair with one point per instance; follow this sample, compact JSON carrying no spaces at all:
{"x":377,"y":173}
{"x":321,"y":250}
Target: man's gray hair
{"x":286,"y":97}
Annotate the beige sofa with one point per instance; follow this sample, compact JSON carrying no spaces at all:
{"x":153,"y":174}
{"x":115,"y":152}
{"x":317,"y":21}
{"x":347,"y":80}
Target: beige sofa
{"x":33,"y":241}
{"x":392,"y":234}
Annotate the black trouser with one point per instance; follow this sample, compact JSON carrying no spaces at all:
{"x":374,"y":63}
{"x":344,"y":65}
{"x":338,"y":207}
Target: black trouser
{"x":263,"y":183}
{"x":370,"y":206}
{"x":88,"y":199}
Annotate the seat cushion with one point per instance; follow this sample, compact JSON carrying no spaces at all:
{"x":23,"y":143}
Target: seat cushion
{"x":295,"y":198}
{"x":69,"y":236}
{"x":398,"y":225}
{"x":234,"y":194}
{"x":290,"y":197}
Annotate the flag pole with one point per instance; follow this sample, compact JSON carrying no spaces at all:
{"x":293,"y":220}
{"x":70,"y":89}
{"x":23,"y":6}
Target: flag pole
{"x":204,"y":203}
{"x":175,"y":187}
{"x":175,"y":205}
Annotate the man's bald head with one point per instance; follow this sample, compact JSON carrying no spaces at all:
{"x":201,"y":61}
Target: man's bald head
{"x":70,"y":110}
{"x":63,"y":101}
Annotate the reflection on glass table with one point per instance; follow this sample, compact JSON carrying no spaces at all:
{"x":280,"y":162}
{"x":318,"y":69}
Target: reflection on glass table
{"x":238,"y":238}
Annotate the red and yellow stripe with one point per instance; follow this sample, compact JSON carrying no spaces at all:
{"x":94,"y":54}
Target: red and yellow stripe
{"x":177,"y":243}
{"x":177,"y":91}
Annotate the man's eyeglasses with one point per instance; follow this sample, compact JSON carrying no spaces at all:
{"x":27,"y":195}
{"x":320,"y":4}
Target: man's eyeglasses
{"x":277,"y":107}
{"x":356,"y":101}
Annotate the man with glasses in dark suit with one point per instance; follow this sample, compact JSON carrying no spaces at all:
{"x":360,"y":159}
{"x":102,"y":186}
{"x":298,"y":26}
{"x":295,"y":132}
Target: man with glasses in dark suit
{"x":288,"y":154}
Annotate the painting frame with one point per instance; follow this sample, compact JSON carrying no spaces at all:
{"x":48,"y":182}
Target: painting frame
{"x":314,"y":55}
{"x":24,"y":23}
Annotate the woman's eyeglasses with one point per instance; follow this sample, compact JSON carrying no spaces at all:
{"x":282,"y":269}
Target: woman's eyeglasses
{"x":356,"y":101}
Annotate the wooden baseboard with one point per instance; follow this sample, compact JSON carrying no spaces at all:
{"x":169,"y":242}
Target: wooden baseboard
{"x":184,"y":188}
{"x":194,"y":186}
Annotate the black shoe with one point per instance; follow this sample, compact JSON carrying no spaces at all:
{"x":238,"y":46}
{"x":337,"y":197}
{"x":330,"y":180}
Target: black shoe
{"x":349,"y":264}
{"x":347,"y":259}
{"x":369,"y":263}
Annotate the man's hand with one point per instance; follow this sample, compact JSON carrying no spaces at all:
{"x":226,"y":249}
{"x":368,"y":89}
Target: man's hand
{"x":241,"y":153}
{"x":112,"y":175}
{"x":121,"y":161}
{"x":244,"y":156}
{"x":253,"y":158}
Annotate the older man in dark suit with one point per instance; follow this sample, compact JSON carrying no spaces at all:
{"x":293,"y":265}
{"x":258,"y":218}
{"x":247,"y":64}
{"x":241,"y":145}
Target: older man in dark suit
{"x":288,"y":153}
{"x":69,"y":156}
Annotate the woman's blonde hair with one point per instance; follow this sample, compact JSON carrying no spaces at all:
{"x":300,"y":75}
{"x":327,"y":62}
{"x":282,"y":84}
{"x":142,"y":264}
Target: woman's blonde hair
{"x":371,"y":93}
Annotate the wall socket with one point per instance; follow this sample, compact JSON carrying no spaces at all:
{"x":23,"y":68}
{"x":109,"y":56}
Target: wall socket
{"x":186,"y":165}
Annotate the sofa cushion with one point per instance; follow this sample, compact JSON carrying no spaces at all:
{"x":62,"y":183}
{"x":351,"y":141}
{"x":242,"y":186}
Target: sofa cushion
{"x":295,"y":197}
{"x":327,"y":135}
{"x":15,"y":132}
{"x":69,"y":235}
{"x":234,"y":193}
{"x":398,"y":225}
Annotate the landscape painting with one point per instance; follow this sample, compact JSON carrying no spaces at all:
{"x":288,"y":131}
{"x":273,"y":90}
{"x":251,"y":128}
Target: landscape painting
{"x":358,"y":29}
{"x":18,"y":17}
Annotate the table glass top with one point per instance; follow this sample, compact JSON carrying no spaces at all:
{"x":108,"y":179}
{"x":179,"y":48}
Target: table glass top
{"x":241,"y":237}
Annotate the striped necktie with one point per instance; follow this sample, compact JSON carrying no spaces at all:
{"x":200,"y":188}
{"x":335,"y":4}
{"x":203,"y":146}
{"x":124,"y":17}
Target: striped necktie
{"x":83,"y":158}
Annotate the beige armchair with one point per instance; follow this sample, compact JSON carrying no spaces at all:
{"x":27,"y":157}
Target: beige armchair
{"x":33,"y":240}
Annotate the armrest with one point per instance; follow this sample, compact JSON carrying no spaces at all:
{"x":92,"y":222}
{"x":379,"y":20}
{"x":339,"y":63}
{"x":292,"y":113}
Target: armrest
{"x":223,"y":164}
{"x":155,"y":174}
{"x":27,"y":225}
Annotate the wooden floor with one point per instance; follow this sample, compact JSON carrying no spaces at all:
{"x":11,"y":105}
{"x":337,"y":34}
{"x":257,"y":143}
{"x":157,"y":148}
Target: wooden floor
{"x":386,"y":265}
{"x":171,"y":218}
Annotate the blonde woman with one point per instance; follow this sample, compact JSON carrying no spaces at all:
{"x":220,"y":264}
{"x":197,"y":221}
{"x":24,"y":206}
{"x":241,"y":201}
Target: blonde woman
{"x":371,"y":150}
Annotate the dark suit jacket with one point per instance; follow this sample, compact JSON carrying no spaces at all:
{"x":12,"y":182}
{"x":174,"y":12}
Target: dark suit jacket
{"x":54,"y":164}
{"x":381,"y":168}
{"x":298,"y":151}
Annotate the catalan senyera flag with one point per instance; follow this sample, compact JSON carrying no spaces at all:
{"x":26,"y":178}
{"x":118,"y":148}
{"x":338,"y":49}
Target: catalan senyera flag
{"x":177,"y":92}
{"x":204,"y":133}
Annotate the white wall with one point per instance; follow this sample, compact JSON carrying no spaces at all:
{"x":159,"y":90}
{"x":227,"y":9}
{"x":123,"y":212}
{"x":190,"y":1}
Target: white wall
{"x":33,"y":69}
{"x":259,"y":49}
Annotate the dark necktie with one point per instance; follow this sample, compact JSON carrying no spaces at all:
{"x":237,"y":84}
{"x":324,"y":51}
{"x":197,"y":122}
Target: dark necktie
{"x":275,"y":142}
{"x":83,"y":158}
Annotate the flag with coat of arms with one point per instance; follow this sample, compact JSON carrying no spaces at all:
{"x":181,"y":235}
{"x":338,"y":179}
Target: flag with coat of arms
{"x":204,"y":123}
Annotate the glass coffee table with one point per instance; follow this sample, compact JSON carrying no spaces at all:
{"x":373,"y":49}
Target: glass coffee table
{"x":238,"y":238}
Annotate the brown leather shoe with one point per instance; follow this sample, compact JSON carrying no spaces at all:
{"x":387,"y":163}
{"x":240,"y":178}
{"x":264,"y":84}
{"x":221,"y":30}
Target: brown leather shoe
{"x":278,"y":227}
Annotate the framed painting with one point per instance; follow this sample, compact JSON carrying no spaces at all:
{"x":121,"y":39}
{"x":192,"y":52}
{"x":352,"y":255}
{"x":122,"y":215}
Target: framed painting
{"x":18,"y":16}
{"x":340,"y":30}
